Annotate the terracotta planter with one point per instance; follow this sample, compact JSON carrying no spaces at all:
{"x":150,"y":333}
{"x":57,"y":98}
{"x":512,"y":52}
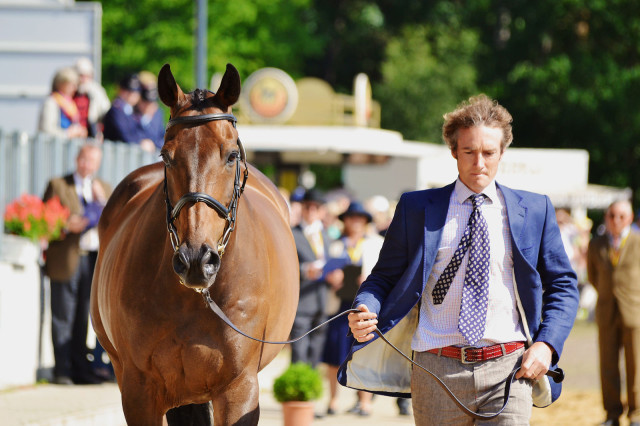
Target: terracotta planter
{"x":298,"y":413}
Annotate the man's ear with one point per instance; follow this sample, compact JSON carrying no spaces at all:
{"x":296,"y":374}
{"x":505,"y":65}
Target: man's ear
{"x":454,"y":154}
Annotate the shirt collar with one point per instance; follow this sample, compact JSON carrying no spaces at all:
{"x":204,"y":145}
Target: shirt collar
{"x":79,"y":180}
{"x":624,"y":234}
{"x":463,"y":192}
{"x":310,"y":228}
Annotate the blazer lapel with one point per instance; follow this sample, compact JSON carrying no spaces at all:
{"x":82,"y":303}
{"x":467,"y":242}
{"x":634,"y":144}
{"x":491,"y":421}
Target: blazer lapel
{"x":516,"y":213}
{"x":72,"y":200}
{"x":436,"y":209}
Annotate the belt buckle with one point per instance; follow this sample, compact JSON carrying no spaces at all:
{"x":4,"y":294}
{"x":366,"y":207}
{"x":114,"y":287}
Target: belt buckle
{"x":463,"y":355}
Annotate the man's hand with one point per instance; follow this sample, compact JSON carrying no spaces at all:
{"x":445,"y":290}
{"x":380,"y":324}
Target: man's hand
{"x":312,"y":270}
{"x":362,"y":324}
{"x":535,"y":361}
{"x":76,"y":223}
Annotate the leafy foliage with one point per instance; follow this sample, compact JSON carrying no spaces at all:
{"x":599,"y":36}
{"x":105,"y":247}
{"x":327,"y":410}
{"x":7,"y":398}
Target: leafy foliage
{"x":299,"y":382}
{"x":427,"y":71}
{"x":251,"y":34}
{"x":567,"y":70}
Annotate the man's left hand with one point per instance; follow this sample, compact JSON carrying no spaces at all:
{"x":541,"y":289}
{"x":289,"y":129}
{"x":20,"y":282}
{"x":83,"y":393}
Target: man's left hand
{"x":535,"y":361}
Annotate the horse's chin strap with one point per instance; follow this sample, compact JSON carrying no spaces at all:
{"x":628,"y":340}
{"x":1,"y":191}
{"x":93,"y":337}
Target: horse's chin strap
{"x":557,"y":375}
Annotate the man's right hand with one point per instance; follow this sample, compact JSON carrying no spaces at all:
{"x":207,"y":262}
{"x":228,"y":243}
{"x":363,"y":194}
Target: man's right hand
{"x":76,"y":223}
{"x":363,"y":324}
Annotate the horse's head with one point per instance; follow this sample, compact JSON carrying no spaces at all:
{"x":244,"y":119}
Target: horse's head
{"x":203,"y":182}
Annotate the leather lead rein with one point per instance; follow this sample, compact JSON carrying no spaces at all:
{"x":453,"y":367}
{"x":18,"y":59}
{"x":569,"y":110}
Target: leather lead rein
{"x":557,"y":375}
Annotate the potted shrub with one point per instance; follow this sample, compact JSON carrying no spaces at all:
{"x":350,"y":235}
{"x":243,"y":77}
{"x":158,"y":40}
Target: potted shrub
{"x":296,"y":389}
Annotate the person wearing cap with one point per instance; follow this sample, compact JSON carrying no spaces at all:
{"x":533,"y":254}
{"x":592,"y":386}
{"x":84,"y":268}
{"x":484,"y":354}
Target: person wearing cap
{"x":59,"y":115}
{"x":353,"y":256}
{"x":312,"y":245}
{"x":90,"y":98}
{"x":149,"y":119}
{"x":295,"y":205}
{"x":472,"y":282}
{"x":119,"y":122}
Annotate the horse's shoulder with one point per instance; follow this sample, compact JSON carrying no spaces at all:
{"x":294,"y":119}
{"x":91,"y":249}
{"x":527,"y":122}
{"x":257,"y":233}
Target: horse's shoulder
{"x":136,"y":182}
{"x":264,"y":186}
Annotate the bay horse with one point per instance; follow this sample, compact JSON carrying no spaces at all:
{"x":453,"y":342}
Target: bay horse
{"x":163,"y":235}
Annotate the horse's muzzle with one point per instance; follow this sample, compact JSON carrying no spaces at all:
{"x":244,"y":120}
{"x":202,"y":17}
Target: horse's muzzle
{"x":196,"y":268}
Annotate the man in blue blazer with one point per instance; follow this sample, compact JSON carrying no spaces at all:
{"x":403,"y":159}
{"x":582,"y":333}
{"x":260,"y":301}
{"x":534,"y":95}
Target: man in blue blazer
{"x":525,"y":305}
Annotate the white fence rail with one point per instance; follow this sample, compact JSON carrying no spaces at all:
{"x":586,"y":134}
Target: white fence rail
{"x":28,"y":162}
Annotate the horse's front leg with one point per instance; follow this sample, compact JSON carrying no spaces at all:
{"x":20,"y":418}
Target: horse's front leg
{"x":239,"y":403}
{"x":138,"y":404}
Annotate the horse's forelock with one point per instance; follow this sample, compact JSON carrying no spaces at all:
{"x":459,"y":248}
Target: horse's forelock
{"x":199,"y":99}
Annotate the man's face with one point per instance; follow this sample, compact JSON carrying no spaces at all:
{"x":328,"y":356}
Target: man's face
{"x":311,"y":211}
{"x":617,"y":218}
{"x":88,"y":161}
{"x":478,"y":155}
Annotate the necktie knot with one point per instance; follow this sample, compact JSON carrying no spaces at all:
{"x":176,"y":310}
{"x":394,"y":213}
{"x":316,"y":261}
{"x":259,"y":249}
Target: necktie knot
{"x":477,"y":200}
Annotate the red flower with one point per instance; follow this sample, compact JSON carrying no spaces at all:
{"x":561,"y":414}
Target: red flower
{"x":28,"y":216}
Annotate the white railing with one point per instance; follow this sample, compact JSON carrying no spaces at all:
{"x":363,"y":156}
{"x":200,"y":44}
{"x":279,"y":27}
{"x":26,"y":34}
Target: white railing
{"x":27,"y":163}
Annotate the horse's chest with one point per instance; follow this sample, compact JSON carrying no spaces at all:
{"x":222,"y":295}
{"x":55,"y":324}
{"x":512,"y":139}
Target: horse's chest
{"x":196,"y":365}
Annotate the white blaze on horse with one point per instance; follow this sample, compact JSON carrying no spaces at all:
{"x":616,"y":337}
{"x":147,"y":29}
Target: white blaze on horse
{"x":163,"y":235}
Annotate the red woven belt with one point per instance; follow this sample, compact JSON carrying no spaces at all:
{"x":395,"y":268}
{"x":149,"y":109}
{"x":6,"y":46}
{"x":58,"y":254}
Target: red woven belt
{"x":470,"y":354}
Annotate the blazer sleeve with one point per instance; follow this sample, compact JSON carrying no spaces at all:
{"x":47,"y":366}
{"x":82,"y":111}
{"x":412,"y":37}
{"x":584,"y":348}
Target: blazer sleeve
{"x":592,"y":263}
{"x":392,"y":263}
{"x":559,"y":285}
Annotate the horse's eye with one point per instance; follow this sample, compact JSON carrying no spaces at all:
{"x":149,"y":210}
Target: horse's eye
{"x":233,"y":156}
{"x":166,"y":159}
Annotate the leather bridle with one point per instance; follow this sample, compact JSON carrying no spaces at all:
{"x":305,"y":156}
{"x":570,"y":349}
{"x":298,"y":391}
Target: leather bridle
{"x":228,"y":213}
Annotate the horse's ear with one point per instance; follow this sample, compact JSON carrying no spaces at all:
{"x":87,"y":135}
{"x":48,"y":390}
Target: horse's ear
{"x":229,"y":90}
{"x":168,"y":89}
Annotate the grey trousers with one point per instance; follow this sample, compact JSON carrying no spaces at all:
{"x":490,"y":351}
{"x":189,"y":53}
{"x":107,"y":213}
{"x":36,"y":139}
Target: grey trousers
{"x":479,"y":386}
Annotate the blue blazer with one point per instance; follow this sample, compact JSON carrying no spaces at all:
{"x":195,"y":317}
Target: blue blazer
{"x":546,"y":286}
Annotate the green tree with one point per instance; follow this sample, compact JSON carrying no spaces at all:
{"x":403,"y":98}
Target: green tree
{"x":569,"y":72}
{"x":251,"y":34}
{"x":428,"y":69}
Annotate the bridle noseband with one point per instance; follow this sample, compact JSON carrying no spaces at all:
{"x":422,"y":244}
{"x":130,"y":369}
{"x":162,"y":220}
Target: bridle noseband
{"x":227,"y":213}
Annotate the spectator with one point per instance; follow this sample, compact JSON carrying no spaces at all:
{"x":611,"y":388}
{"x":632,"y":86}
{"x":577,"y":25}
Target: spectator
{"x":59,"y":115}
{"x":380,"y":209}
{"x":119,"y":122}
{"x":635,"y":226}
{"x":312,"y":243}
{"x":70,"y":263}
{"x":295,"y":205}
{"x":474,"y":258}
{"x":613,"y":264}
{"x":149,"y":120}
{"x":353,"y":257}
{"x":90,"y":98}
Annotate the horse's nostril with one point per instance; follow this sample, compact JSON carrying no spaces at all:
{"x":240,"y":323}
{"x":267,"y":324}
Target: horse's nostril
{"x":180,"y":262}
{"x":210,"y":261}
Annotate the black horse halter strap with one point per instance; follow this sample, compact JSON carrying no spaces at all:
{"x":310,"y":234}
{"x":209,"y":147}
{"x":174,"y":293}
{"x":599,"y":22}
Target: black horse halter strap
{"x":227,"y":213}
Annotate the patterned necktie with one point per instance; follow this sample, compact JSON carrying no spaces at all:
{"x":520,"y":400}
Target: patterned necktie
{"x":475,"y":292}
